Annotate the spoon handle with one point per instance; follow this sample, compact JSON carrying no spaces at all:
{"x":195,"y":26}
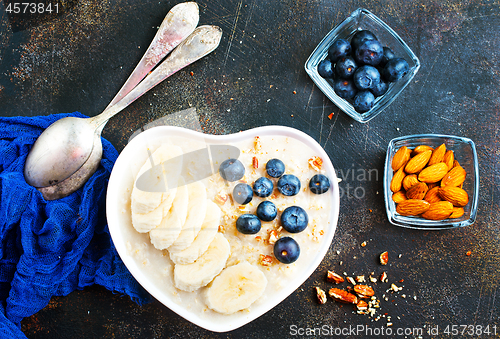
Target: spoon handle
{"x":179,"y":22}
{"x":201,"y":42}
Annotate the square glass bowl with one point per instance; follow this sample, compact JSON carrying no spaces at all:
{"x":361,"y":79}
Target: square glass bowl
{"x":361,"y":19}
{"x":465,"y":153}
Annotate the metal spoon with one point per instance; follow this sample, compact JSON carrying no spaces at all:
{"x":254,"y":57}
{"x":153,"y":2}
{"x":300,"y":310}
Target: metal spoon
{"x":179,"y":22}
{"x":68,"y":143}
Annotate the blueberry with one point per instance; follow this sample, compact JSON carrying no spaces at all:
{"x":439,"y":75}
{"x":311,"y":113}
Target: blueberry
{"x":370,"y":52}
{"x":381,"y":88}
{"x":325,"y":68}
{"x":366,"y":77}
{"x":360,"y":37}
{"x":232,"y":170}
{"x":275,"y":168}
{"x":263,"y":187}
{"x":289,"y":185}
{"x":339,"y":49}
{"x":346,"y":67}
{"x":266,"y":211}
{"x":345,"y":88}
{"x":388,"y":55}
{"x":294,"y":219}
{"x":363,"y":101}
{"x":395,"y":69}
{"x":319,"y":184}
{"x":248,"y":224}
{"x":242,"y":193}
{"x":286,"y":250}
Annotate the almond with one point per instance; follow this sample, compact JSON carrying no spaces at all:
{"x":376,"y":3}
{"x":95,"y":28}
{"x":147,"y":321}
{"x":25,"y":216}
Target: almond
{"x":417,"y":191}
{"x":421,"y":148}
{"x":320,"y":295}
{"x":384,"y":258}
{"x":343,"y":296}
{"x":334,"y":277}
{"x":449,"y":159}
{"x":433,"y":173}
{"x":399,"y":196}
{"x":397,"y":180}
{"x":409,"y":181}
{"x":418,"y":162}
{"x":437,"y":155}
{"x":432,"y":185}
{"x":400,"y":158}
{"x":364,"y":291}
{"x":456,"y":163}
{"x":455,"y":177}
{"x":439,"y":210}
{"x":412,"y":207}
{"x":432,"y":195}
{"x":456,"y":195}
{"x":457,"y":212}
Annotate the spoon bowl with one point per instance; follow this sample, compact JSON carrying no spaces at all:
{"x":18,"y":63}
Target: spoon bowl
{"x":58,"y":164}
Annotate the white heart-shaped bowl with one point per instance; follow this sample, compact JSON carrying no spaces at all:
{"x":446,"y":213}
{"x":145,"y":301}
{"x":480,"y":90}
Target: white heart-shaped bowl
{"x":151,"y":270}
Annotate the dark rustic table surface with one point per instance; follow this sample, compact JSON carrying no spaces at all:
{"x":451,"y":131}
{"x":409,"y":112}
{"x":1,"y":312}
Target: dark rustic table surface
{"x":78,"y":60}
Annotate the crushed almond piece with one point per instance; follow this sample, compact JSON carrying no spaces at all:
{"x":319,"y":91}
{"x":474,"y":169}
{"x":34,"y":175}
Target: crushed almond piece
{"x":294,"y":92}
{"x":342,"y":296}
{"x":330,"y":116}
{"x":265,"y":260}
{"x":373,"y":279}
{"x":221,"y":228}
{"x":383,"y":277}
{"x":351,"y":280}
{"x":316,"y":163}
{"x":273,"y":237}
{"x":257,"y":144}
{"x":221,"y":198}
{"x":255,"y":162}
{"x":321,"y":295}
{"x":360,"y":278}
{"x":191,"y":73}
{"x":468,"y":253}
{"x":363,"y":244}
{"x":362,"y":305}
{"x":364,"y":291}
{"x":384,"y":258}
{"x":258,"y":238}
{"x":334,"y":277}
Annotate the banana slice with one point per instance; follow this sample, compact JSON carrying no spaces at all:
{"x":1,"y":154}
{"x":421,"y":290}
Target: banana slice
{"x":236,"y":288}
{"x":144,"y":223}
{"x":153,"y":175}
{"x":197,"y":208}
{"x":191,"y":277}
{"x":200,"y":244}
{"x":171,"y":224}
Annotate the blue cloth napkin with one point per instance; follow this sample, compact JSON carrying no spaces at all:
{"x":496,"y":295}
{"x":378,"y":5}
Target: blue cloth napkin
{"x":51,"y":248}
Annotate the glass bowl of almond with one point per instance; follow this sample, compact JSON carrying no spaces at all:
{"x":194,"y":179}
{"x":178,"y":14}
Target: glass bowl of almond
{"x":431,"y":181}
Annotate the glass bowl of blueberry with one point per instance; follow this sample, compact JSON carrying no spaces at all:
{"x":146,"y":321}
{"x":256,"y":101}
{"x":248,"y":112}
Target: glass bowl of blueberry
{"x":362,"y":65}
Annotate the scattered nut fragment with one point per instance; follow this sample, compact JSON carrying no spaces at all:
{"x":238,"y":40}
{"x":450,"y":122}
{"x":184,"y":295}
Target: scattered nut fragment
{"x":364,"y":291}
{"x":316,"y":163}
{"x":342,"y":296}
{"x":360,"y":278}
{"x":363,"y":244}
{"x":383,"y":277}
{"x":221,"y":198}
{"x":255,"y":162}
{"x":321,"y":295}
{"x":372,"y":278}
{"x":273,"y":237}
{"x":334,"y":277}
{"x":351,"y":280}
{"x":362,"y":305}
{"x":265,"y":260}
{"x":384,"y":258}
{"x":256,"y":144}
{"x":395,"y":288}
